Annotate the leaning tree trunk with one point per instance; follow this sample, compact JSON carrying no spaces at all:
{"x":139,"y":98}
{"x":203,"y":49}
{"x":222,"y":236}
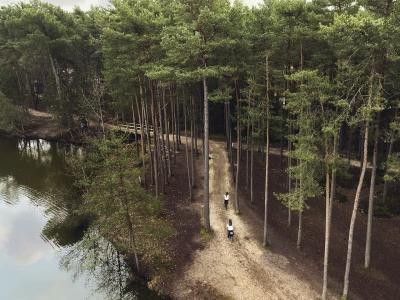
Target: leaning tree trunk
{"x":265,"y":236}
{"x":206,"y":201}
{"x":357,"y":196}
{"x":371,"y":199}
{"x":354,"y":214}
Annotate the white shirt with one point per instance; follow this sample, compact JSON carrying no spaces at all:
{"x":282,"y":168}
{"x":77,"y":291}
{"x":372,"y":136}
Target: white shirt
{"x":229,"y":227}
{"x":226,"y":197}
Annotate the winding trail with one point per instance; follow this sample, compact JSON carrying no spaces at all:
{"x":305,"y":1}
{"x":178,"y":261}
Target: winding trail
{"x":241,"y":269}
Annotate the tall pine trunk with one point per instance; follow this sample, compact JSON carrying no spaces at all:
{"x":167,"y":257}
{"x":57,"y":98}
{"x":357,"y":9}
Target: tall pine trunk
{"x":252,"y":169}
{"x":192,"y":138}
{"x":237,"y":202}
{"x":187,"y":153}
{"x":371,"y":198}
{"x":289,"y":162}
{"x":167,"y":137}
{"x":135,"y":128}
{"x":329,"y":188}
{"x":247,"y":149}
{"x":155,"y":142}
{"x":206,"y":201}
{"x":142,"y":148}
{"x":265,"y":236}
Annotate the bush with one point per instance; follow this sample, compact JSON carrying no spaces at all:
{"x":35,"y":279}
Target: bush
{"x":381,"y":211}
{"x":341,"y":198}
{"x":11,"y":116}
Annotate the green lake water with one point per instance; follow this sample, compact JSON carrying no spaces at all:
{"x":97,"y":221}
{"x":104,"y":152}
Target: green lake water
{"x":33,"y":189}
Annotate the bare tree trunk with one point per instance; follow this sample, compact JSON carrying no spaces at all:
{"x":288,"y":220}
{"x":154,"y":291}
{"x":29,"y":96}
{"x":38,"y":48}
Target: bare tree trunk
{"x":147,"y":130}
{"x":177,"y":124}
{"x":187,"y":153}
{"x":141,"y":141}
{"x":195,"y":131}
{"x":329,"y":197}
{"x":162,"y":143}
{"x":237,"y":207}
{"x":265,"y":239}
{"x":135,"y":129}
{"x":226,"y":124}
{"x":174,"y":126}
{"x":56,"y":77}
{"x":371,"y":198}
{"x":247,"y":143}
{"x":155,"y":142}
{"x":192,"y":138}
{"x":166,"y":121}
{"x":300,"y":229}
{"x":289,"y":160}
{"x":252,"y":170}
{"x":357,"y":196}
{"x":230,"y":136}
{"x":206,"y":159}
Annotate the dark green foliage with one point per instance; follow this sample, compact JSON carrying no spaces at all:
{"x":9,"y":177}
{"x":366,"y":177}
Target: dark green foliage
{"x":108,"y":179}
{"x":69,"y":231}
{"x":341,"y":198}
{"x":11,"y":116}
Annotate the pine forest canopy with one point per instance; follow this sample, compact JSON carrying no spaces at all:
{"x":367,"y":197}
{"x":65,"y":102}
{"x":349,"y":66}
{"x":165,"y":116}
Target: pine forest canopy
{"x":316,"y":75}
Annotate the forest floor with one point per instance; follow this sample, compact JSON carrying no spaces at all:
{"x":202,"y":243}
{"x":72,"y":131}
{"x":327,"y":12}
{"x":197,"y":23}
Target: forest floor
{"x":381,"y":281}
{"x":241,"y":269}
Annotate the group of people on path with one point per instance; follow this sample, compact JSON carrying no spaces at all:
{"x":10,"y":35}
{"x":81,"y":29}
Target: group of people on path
{"x":229,"y":226}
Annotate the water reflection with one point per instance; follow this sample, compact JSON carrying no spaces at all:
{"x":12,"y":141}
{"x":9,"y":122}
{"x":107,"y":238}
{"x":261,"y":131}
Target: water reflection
{"x":33,"y":191}
{"x":45,"y":241}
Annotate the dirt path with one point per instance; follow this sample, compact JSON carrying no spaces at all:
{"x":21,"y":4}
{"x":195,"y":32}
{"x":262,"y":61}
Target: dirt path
{"x":241,"y":269}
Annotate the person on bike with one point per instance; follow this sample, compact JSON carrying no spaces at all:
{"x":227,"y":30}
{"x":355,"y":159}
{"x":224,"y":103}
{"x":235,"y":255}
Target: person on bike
{"x":229,"y":228}
{"x":226,"y":200}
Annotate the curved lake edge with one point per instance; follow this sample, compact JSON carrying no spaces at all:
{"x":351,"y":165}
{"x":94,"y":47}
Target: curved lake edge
{"x":32,"y":202}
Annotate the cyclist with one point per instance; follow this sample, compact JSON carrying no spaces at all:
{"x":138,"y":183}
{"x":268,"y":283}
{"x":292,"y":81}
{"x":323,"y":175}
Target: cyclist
{"x":229,"y":228}
{"x":226,"y":200}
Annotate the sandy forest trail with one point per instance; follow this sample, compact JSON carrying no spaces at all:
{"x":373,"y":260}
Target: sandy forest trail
{"x":241,"y":269}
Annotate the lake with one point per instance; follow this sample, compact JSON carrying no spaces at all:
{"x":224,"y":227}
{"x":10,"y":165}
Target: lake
{"x":33,"y":190}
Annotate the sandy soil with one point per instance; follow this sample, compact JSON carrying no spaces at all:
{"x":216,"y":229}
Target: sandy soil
{"x":241,"y":269}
